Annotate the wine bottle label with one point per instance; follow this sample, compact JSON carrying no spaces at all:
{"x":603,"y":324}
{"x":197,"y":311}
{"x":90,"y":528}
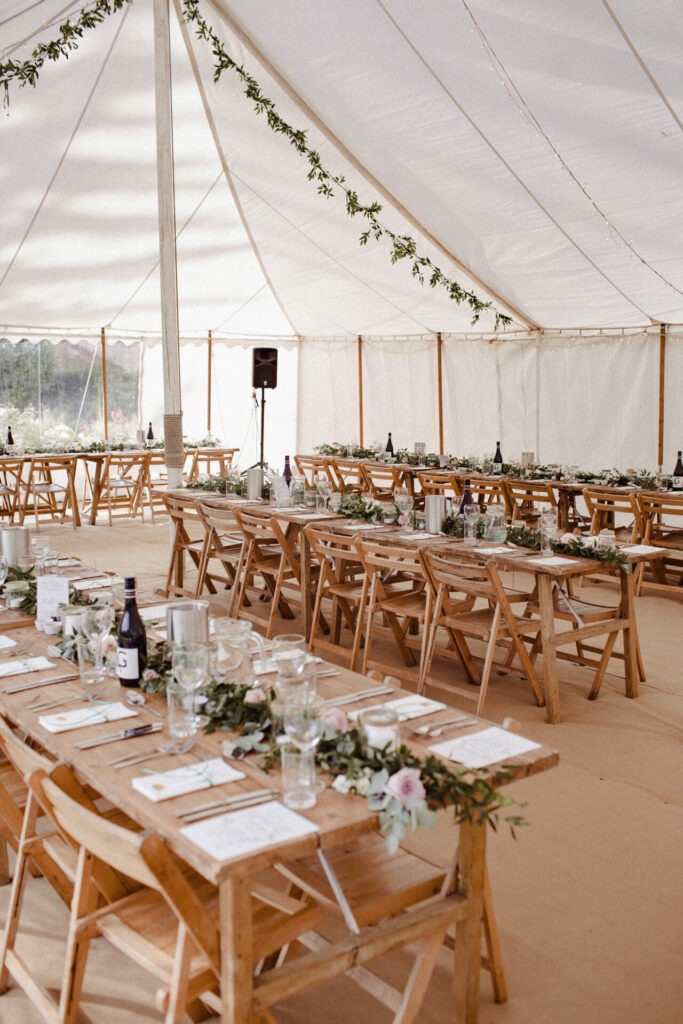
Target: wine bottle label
{"x":128,"y":663}
{"x":497,"y":468}
{"x":677,"y":483}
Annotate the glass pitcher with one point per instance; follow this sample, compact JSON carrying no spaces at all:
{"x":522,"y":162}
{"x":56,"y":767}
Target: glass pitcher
{"x":495,"y":529}
{"x":234,"y":638}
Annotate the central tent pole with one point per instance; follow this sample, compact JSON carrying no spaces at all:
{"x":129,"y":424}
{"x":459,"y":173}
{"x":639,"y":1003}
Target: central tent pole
{"x":173,"y":415}
{"x":208,"y":396}
{"x":662,"y":381}
{"x":105,"y":412}
{"x":360,"y":387}
{"x":440,"y":389}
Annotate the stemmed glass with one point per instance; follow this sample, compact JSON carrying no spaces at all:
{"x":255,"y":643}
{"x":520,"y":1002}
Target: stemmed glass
{"x":302,"y":721}
{"x":472,"y":516}
{"x":94,"y":627}
{"x":322,"y":482}
{"x":190,"y":664}
{"x":403,"y":500}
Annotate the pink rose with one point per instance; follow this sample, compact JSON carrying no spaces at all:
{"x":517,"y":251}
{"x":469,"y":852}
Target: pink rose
{"x":336,"y":718}
{"x":405,"y":785}
{"x":109,"y":644}
{"x":254,"y":696}
{"x":149,"y":673}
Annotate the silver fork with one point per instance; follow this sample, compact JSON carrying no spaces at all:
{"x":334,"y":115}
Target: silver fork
{"x":175,"y":746}
{"x":436,"y":730}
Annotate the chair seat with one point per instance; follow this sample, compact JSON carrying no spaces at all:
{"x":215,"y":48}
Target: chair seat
{"x":479,"y":623}
{"x":412,"y":604}
{"x":49,"y":488}
{"x":122,"y":483}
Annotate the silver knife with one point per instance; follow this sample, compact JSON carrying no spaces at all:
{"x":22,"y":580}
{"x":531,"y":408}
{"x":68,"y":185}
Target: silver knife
{"x":42,"y":682}
{"x":351,"y":698}
{"x":125,"y":734}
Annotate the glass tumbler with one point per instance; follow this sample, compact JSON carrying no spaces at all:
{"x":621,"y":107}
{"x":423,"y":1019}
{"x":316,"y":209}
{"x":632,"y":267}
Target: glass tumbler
{"x":298,"y":777}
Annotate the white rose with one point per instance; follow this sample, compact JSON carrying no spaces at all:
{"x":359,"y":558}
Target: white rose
{"x":341,"y":784}
{"x":363,"y":785}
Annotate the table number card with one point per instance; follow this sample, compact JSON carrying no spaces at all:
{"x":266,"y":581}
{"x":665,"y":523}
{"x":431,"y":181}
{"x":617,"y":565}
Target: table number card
{"x":52,"y":591}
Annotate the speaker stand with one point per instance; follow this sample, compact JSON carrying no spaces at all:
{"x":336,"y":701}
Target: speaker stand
{"x":261,"y":462}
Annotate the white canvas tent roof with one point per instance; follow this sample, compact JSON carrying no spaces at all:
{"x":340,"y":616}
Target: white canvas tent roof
{"x":539,"y":144}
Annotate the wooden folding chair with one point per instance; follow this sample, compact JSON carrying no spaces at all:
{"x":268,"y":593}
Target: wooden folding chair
{"x":398,"y":594}
{"x":188,"y":535}
{"x":224,"y":543}
{"x":663,"y":519}
{"x":123,"y":478}
{"x":342,"y":580}
{"x":209,"y":460}
{"x":49,"y":497}
{"x":310,"y":465}
{"x":10,"y":486}
{"x":134,"y":892}
{"x":458,"y":585}
{"x":488,"y":491}
{"x":604,"y":503}
{"x":348,"y":475}
{"x":528,"y":499}
{"x":270,"y":553}
{"x":438,"y":482}
{"x":381,"y":480}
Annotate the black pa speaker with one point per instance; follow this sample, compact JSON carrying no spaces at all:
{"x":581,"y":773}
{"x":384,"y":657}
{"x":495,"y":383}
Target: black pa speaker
{"x":264,"y":374}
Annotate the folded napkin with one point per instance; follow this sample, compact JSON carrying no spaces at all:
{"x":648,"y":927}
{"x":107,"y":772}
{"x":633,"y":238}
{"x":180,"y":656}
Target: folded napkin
{"x":240,"y":832}
{"x":188,"y":779}
{"x":17,"y":668}
{"x":553,"y":560}
{"x":6,"y":642}
{"x":492,"y":551}
{"x":408,"y":707}
{"x":94,"y":714}
{"x":479,"y":749}
{"x":420,"y":535}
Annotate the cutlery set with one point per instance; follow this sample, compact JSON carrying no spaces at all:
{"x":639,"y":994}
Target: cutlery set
{"x":231,"y":803}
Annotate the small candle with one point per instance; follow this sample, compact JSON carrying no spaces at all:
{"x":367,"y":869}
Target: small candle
{"x":380,"y":729}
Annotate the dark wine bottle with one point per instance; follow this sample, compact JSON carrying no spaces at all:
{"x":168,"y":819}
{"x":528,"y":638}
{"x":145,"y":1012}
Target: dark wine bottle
{"x":466,"y":496}
{"x":131,"y":639}
{"x":677,"y":480}
{"x":390,"y":445}
{"x":10,"y":439}
{"x":498,"y":460}
{"x":150,"y":435}
{"x":287,"y":472}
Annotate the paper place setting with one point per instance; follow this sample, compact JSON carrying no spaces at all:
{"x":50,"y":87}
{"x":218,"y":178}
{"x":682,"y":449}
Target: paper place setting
{"x":479,"y":749}
{"x":188,"y":779}
{"x":6,"y":642}
{"x":17,"y":668}
{"x":94,"y":714}
{"x":106,"y":581}
{"x":493,"y":551}
{"x":244,"y":831}
{"x":362,"y":526}
{"x":553,"y":560}
{"x":641,"y":549}
{"x":406,"y":707}
{"x":420,"y":535}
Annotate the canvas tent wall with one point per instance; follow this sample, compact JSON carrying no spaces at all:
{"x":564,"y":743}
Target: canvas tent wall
{"x":539,"y":144}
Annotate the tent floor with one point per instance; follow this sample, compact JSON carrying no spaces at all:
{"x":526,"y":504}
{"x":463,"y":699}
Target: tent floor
{"x":589,"y":928}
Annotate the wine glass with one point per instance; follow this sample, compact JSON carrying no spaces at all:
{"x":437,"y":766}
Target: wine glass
{"x":322,"y":482}
{"x":302,"y":721}
{"x":472,"y":515}
{"x":403,"y":500}
{"x":190,"y":664}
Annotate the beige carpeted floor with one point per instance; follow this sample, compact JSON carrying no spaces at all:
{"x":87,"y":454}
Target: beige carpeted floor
{"x":588,"y":898}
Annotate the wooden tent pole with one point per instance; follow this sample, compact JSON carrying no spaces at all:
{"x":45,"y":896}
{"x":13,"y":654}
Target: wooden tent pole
{"x":662,"y":365}
{"x":173,"y":416}
{"x":440,"y":389}
{"x":208,"y":397}
{"x":360,"y":387}
{"x":105,"y":411}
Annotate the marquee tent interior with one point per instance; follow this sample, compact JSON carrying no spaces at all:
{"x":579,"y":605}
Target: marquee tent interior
{"x":533,"y":152}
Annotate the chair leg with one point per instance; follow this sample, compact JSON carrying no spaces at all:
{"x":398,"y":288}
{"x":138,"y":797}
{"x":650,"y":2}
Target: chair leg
{"x":358,"y":632}
{"x":179,"y":978}
{"x":604,"y":662}
{"x":488,"y":663}
{"x":494,"y":958}
{"x":77,"y":946}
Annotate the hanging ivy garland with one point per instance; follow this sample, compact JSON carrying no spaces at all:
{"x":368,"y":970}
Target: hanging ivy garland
{"x":403,"y":247}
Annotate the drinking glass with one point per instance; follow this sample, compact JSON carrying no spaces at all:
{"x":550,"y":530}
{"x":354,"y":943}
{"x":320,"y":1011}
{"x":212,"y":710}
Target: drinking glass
{"x":182,"y":720}
{"x":92,"y":667}
{"x":298,"y":777}
{"x":302,"y":721}
{"x":289,"y":654}
{"x":335,"y":501}
{"x":472,"y":514}
{"x":322,"y":482}
{"x":27,"y":563}
{"x":606,"y":540}
{"x":548,"y":527}
{"x":403,"y":500}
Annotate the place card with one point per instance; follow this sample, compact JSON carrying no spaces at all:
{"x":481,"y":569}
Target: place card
{"x":641,"y":549}
{"x":188,"y":779}
{"x":407,"y":707}
{"x":51,"y":591}
{"x":238,"y":833}
{"x":553,"y":560}
{"x":17,"y":668}
{"x":94,"y":714}
{"x":6,"y":642}
{"x":489,"y":746}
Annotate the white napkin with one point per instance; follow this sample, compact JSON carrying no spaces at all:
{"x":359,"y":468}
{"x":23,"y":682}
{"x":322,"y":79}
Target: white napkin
{"x":362,"y":526}
{"x":94,"y":714}
{"x":492,"y":551}
{"x":155,"y":611}
{"x":107,"y":581}
{"x":420,"y":535}
{"x":408,"y":707}
{"x":6,"y":642}
{"x":240,"y":832}
{"x":309,"y":515}
{"x":17,"y":668}
{"x":553,"y":560}
{"x":188,"y":779}
{"x":479,"y":749}
{"x":641,"y":549}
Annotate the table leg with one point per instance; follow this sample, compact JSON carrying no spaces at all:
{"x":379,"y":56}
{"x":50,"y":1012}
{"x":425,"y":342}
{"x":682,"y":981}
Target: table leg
{"x":552,"y":687}
{"x":236,"y":950}
{"x":630,"y":648}
{"x":562,"y":511}
{"x":96,"y":491}
{"x":306,"y":585}
{"x":471,"y":878}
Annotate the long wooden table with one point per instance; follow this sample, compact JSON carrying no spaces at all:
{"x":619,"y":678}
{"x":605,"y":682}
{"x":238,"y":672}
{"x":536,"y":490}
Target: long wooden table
{"x":338,"y":818}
